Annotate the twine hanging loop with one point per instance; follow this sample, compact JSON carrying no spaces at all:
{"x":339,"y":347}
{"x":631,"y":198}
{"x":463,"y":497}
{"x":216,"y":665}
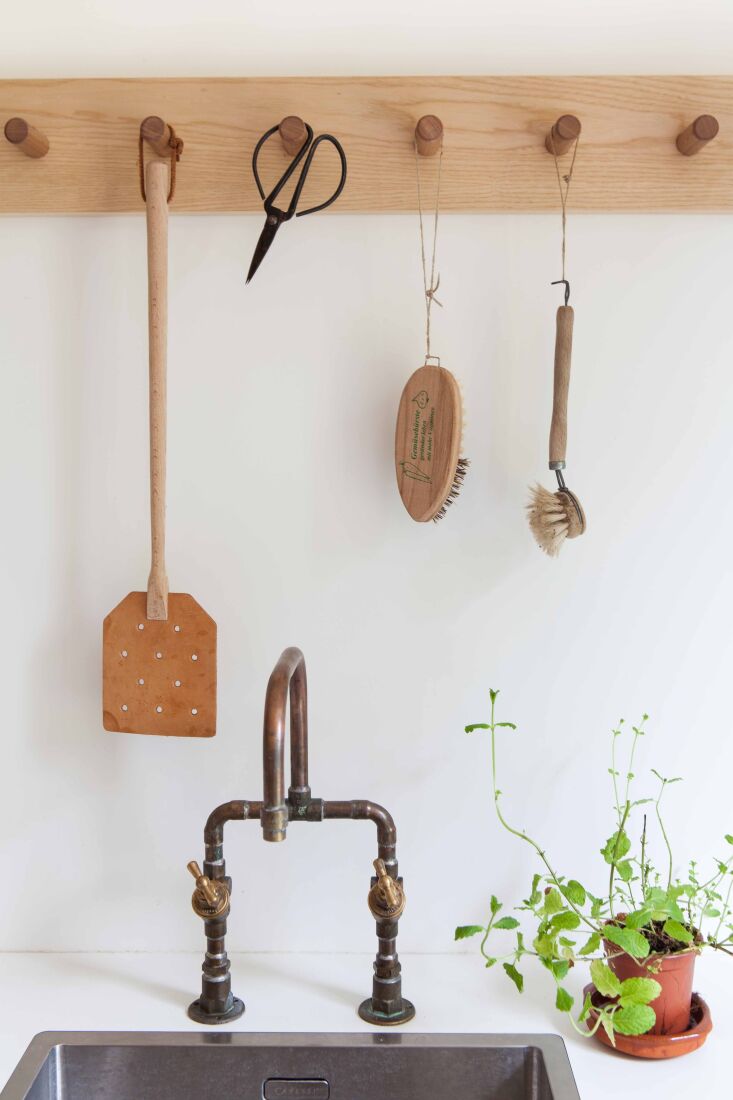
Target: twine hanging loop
{"x":175,"y":144}
{"x":563,"y":183}
{"x":431,"y":283}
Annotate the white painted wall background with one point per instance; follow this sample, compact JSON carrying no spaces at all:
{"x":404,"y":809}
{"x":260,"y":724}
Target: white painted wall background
{"x":285,"y":522}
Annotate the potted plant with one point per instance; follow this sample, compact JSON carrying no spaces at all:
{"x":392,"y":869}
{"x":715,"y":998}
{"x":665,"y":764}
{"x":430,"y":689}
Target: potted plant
{"x":640,"y":934}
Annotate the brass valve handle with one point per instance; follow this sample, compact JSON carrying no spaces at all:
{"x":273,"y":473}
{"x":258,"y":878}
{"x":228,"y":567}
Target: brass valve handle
{"x":210,"y":898}
{"x":386,"y":897}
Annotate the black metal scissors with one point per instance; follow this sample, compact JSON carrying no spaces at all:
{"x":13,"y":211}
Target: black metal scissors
{"x":274,"y":216}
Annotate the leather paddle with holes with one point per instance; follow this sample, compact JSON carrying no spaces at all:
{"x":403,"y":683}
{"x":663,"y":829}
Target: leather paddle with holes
{"x":159,"y":648}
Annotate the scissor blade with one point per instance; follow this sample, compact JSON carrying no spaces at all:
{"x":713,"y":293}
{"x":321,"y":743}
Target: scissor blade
{"x":266,"y":238}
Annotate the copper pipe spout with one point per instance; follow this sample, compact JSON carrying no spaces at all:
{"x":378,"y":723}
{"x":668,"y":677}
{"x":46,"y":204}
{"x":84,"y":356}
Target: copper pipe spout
{"x":287,"y":675}
{"x":217,"y":1004}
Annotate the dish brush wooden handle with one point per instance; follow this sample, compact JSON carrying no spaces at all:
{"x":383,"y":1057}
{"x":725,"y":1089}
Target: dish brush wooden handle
{"x":563,"y":356}
{"x":156,"y":210}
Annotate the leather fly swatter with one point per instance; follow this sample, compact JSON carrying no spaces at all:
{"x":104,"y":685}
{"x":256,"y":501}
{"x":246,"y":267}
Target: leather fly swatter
{"x":159,"y":649}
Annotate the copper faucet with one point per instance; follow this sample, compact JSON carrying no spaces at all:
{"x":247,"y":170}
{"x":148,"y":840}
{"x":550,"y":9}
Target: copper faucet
{"x":211,"y":897}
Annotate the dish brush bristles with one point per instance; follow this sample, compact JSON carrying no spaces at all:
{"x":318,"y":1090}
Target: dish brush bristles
{"x":553,"y":517}
{"x":455,"y":489}
{"x":461,"y":468}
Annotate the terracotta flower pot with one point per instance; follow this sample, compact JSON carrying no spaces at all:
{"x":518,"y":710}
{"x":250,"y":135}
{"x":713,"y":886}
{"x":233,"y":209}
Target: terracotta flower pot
{"x":673,"y":972}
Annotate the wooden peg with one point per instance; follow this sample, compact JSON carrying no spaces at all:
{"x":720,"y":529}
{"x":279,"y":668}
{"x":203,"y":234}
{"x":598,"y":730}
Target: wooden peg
{"x":429,"y":135}
{"x":292,"y":134}
{"x":562,"y":135}
{"x":697,"y":134}
{"x":159,"y":136}
{"x":29,"y":140}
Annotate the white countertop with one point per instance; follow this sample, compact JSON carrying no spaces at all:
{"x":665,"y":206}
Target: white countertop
{"x":299,"y":992}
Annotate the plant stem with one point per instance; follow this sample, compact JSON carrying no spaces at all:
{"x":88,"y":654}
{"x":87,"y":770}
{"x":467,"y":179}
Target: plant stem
{"x":664,"y":833}
{"x":613,"y":776}
{"x":627,"y":807}
{"x":643,"y":857}
{"x":523,"y":836}
{"x":629,"y":774}
{"x":725,"y":909}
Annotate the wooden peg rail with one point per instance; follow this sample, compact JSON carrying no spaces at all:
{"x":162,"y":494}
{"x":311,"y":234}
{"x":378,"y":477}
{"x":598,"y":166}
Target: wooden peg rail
{"x":26,"y":138}
{"x":494,"y":141}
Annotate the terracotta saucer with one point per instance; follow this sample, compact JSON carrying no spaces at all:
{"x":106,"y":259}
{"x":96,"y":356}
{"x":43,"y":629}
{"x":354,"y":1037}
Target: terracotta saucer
{"x":657,"y":1046}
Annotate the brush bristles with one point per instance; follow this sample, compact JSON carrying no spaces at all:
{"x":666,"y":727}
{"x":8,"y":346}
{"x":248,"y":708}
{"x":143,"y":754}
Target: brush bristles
{"x":455,"y":489}
{"x":549,"y":518}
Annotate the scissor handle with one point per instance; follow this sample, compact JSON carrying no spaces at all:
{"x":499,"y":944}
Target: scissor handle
{"x":308,"y":160}
{"x":269,"y":199}
{"x":307,"y":150}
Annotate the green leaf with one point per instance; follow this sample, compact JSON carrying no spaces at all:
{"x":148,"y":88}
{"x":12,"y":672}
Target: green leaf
{"x":591,"y":945}
{"x":729,"y":838}
{"x":630,"y":941}
{"x":545,"y":947}
{"x":638,"y":918}
{"x":663,"y":903}
{"x":553,"y":902}
{"x":560,"y":969}
{"x":507,"y":922}
{"x":678,"y":931}
{"x":585,"y":1011}
{"x":515,"y":976}
{"x":495,"y":905}
{"x":616,"y":847}
{"x":625,"y":870}
{"x":467,"y":930}
{"x":493,"y":694}
{"x":535,"y":896}
{"x":597,"y":905}
{"x":666,"y":782}
{"x":490,"y":963}
{"x":567,"y":921}
{"x":604,"y":979}
{"x":563,"y":1001}
{"x":477,"y":726}
{"x":505,"y":725}
{"x":634,"y":1019}
{"x":574,"y":892}
{"x":639,"y":991}
{"x":608,"y":1027}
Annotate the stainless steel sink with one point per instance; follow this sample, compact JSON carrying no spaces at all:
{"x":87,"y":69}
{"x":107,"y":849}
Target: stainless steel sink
{"x":237,"y":1066}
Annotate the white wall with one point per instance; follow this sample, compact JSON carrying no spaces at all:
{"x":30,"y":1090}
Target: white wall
{"x":285,"y":523}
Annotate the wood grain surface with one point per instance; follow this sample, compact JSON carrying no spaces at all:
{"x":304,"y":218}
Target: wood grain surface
{"x":156,"y":209}
{"x":428,"y":440}
{"x":159,"y":674}
{"x":561,"y":384}
{"x":494,"y":141}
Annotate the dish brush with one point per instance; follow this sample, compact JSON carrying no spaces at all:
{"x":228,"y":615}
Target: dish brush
{"x":556,"y":516}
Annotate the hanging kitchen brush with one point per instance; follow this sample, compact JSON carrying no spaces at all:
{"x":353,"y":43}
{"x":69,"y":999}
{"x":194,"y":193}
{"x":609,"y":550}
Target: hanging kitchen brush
{"x":556,"y":516}
{"x":429,"y":430}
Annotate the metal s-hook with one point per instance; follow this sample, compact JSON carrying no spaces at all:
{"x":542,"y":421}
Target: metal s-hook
{"x":567,"y":288}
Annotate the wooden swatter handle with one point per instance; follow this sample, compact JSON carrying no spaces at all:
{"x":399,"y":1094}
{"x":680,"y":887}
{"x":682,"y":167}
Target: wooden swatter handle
{"x":563,"y":355}
{"x":156,"y":211}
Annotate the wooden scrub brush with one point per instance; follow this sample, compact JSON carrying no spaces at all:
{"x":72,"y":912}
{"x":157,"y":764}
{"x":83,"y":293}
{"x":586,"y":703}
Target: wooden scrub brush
{"x":554,"y":517}
{"x":429,"y":431}
{"x":428,"y":438}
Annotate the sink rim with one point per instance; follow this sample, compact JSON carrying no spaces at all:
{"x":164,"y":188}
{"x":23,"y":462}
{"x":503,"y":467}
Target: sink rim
{"x":551,"y":1045}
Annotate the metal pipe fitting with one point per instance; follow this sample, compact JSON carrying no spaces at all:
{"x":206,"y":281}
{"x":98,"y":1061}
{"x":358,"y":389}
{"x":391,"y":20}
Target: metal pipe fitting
{"x":211,"y":899}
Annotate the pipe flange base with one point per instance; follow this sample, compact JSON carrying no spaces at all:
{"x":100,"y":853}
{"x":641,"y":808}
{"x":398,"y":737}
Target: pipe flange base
{"x":197,"y":1013}
{"x":367,"y":1012}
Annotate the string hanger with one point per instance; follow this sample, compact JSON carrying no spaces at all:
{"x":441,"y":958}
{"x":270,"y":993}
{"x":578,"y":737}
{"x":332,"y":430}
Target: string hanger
{"x":431,"y":284}
{"x":165,"y":142}
{"x":563,"y":184}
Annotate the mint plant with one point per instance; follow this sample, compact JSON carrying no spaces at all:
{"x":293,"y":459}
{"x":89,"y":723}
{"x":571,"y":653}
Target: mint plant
{"x":640,"y":911}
